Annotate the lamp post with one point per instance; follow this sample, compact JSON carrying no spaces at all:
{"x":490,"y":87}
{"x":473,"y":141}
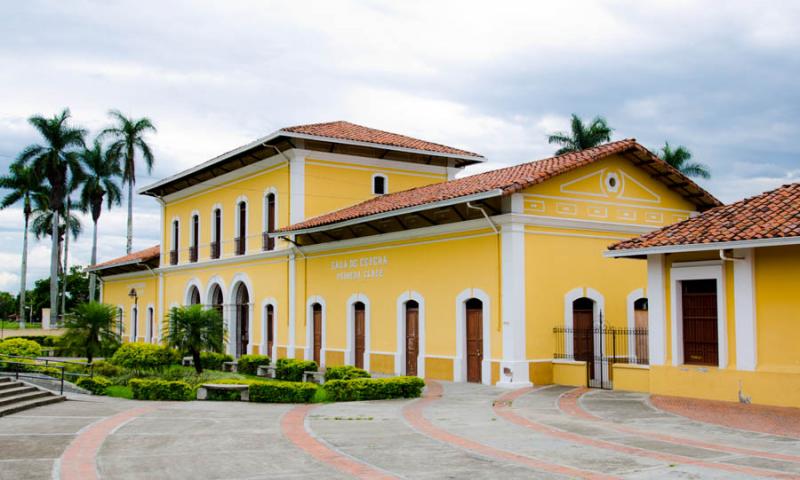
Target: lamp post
{"x":134,"y":318}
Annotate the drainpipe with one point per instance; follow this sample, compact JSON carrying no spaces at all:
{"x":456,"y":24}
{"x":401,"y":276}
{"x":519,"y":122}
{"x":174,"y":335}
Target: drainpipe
{"x":278,"y":150}
{"x":499,"y":263}
{"x":729,"y":259}
{"x":480,"y":209}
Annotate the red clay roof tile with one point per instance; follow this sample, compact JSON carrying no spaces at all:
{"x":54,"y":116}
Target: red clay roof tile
{"x":141,"y":255}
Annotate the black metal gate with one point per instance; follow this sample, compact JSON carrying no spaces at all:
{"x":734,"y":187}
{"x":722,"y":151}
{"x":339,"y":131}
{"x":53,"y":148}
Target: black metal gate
{"x":601,"y":347}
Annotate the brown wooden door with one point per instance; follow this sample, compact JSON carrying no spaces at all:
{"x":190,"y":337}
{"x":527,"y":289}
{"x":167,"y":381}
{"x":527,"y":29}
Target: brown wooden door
{"x":359,"y":334}
{"x":641,"y":325}
{"x":699,"y":302}
{"x":474,"y":340}
{"x":244,"y":334}
{"x":317,"y":332}
{"x":412,"y":338}
{"x":583,"y":338}
{"x":270,"y":330}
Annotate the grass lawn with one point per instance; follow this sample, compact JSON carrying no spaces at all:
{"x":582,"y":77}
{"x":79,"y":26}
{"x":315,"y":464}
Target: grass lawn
{"x":119,"y":391}
{"x":9,"y":325}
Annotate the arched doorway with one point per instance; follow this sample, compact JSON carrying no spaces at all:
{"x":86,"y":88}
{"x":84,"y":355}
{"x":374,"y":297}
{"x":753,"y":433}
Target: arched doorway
{"x":316,"y":332}
{"x":474,"y":331}
{"x":359,"y":332}
{"x":215,"y":299}
{"x":194,"y":296}
{"x":150,"y":324}
{"x":583,"y":326}
{"x":269,"y":314}
{"x":242,"y":326}
{"x":412,"y":337}
{"x":640,"y":325}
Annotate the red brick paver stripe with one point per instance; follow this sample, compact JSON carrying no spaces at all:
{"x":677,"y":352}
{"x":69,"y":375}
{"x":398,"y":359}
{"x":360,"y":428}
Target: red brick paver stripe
{"x":783,"y":421}
{"x":414,"y":415}
{"x":503,"y":409}
{"x":79,"y":460}
{"x":569,"y":403}
{"x":293,"y":426}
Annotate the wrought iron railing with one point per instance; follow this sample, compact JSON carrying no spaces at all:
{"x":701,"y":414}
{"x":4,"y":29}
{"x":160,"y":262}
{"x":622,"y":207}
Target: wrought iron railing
{"x":173,"y":257}
{"x":239,"y":244}
{"x":192,"y":254}
{"x":268,"y":243}
{"x":215,"y":250}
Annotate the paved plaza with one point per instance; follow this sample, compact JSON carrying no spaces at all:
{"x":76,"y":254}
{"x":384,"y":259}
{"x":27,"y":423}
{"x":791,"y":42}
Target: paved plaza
{"x":454,"y":431}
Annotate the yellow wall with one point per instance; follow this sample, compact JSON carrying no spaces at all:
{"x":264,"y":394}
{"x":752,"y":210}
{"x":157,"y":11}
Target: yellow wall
{"x":116,"y":292}
{"x":631,"y":378}
{"x":777,"y":284}
{"x":569,"y":373}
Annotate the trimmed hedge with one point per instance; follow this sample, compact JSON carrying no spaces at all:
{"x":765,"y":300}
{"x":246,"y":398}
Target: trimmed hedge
{"x":345,"y":372}
{"x":291,"y":369}
{"x":20,"y":347}
{"x":276,"y":391}
{"x":213,"y":360}
{"x":146,"y":389}
{"x":106,"y":369}
{"x":373,"y":388}
{"x":97,"y":385}
{"x":248,"y":364}
{"x":145,"y":356}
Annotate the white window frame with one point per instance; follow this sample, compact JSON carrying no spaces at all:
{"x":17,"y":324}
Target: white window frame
{"x":385,"y":183}
{"x":460,"y":363}
{"x":400,"y":357}
{"x":309,"y":349}
{"x":269,"y":302}
{"x":350,"y":346}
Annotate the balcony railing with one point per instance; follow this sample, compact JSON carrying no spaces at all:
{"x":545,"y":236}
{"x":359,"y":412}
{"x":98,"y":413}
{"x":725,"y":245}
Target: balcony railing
{"x":214,"y":250}
{"x":268,"y":243}
{"x":173,"y":257}
{"x":192,"y":254}
{"x":240,"y":245}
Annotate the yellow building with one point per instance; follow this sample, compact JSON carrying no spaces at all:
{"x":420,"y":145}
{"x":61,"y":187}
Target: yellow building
{"x":723,"y":294}
{"x":350,"y":245}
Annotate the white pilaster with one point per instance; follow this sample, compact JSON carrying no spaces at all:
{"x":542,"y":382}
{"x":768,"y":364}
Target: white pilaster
{"x":160,"y":322}
{"x":745,"y":312}
{"x":656,"y":315}
{"x":292,"y":307}
{"x":297,"y":184}
{"x":514,"y":366}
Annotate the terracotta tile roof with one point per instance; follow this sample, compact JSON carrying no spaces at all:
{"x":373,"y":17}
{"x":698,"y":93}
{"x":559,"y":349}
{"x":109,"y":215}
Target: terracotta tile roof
{"x":509,"y":180}
{"x":357,"y":133}
{"x":773,"y":214}
{"x":141,"y":256}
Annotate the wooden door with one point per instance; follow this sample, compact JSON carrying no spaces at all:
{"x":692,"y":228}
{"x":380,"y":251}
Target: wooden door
{"x":699,"y":304}
{"x":641,"y":325}
{"x":270,"y":329}
{"x":317,"y":332}
{"x":412,"y":338}
{"x":244,"y":334}
{"x":583,"y":337}
{"x":359,"y":334}
{"x":474,"y":340}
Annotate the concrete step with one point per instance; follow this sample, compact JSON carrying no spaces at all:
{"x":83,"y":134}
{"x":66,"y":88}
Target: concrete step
{"x":4,"y":380}
{"x":10,"y":384}
{"x":37,"y":402}
{"x":21,"y":388}
{"x":24,"y":397}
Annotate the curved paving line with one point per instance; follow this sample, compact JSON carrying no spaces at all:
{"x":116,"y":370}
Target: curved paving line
{"x":414,"y":415}
{"x":503,"y":409}
{"x":569,"y":403}
{"x":79,"y":460}
{"x":293,"y":426}
{"x":657,"y":402}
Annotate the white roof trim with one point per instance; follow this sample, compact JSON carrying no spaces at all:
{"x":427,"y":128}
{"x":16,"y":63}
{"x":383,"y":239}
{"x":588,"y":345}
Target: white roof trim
{"x":704,"y":247}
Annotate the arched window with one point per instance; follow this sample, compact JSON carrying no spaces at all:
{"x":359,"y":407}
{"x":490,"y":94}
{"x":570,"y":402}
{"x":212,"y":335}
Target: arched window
{"x":269,"y":221}
{"x":194,"y":296}
{"x":379,"y":184}
{"x":134,"y":324}
{"x":173,"y":253}
{"x":241,"y":238}
{"x":195,"y":238}
{"x":216,"y":233}
{"x":150,"y":324}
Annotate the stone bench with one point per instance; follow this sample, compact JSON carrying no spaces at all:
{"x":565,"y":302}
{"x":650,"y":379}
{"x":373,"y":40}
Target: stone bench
{"x":314,"y":377}
{"x":229,"y":366}
{"x":267,"y":371}
{"x":187,"y":362}
{"x":244,"y":390}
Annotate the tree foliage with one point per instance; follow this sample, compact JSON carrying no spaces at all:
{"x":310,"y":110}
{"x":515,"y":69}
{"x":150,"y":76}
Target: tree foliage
{"x":92,"y":330}
{"x":193,"y":329}
{"x":581,"y":135}
{"x":681,"y":158}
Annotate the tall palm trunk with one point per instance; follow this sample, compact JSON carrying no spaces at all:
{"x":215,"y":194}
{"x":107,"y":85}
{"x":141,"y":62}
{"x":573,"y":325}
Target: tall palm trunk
{"x":54,"y":251}
{"x":23,"y":274}
{"x":92,"y":277}
{"x":65,"y":271}
{"x":129,"y":246}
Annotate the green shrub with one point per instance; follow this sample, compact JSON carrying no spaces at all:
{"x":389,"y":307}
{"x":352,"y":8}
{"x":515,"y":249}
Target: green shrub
{"x":291,"y":369}
{"x":345,"y":372}
{"x":97,"y":384}
{"x":248,"y":364}
{"x":106,"y":369}
{"x":154,"y":389}
{"x":213,"y":360}
{"x":374,"y":388}
{"x":20,"y":347}
{"x":282,"y":392}
{"x":144,"y":356}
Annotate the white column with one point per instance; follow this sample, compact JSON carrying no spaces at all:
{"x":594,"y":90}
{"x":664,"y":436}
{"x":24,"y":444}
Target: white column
{"x":160,"y":321}
{"x":514,"y":366}
{"x":745,"y":312}
{"x":297,"y":184}
{"x":291,"y":307}
{"x":656,"y":315}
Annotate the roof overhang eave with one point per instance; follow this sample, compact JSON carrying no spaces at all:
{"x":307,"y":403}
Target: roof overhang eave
{"x":392,"y":213}
{"x":702,"y":247}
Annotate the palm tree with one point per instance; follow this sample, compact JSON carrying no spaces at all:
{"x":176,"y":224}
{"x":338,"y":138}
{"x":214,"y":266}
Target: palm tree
{"x":100,"y":174}
{"x":75,"y":181}
{"x":681,"y":158}
{"x":582,"y":136}
{"x":22,"y":182}
{"x":193,"y":329}
{"x":92,"y":330}
{"x":128,"y":137}
{"x":53,"y":161}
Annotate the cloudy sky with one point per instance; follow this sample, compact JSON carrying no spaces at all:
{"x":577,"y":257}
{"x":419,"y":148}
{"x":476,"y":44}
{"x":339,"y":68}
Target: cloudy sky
{"x":492,"y":77}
